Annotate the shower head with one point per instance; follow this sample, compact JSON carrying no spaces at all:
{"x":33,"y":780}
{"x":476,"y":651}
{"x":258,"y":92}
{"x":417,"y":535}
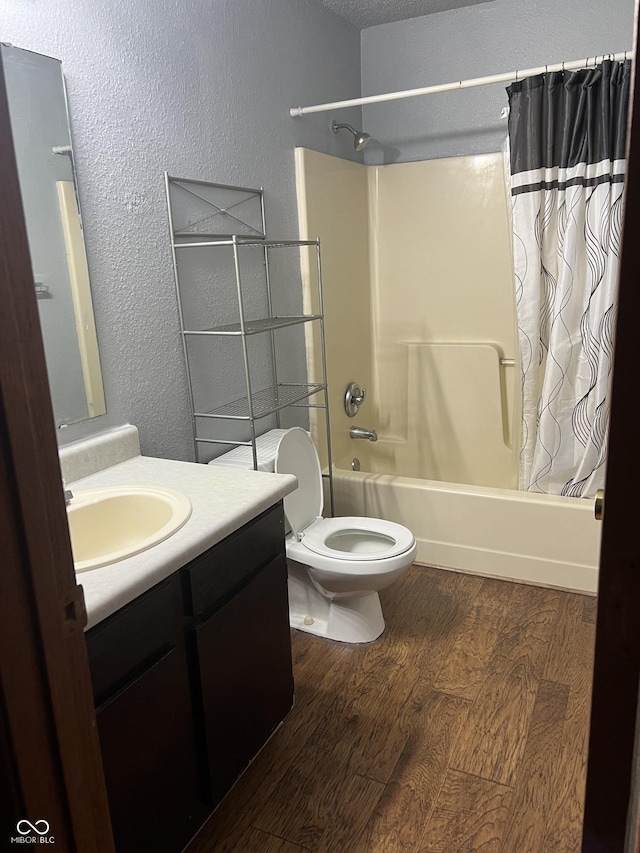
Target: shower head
{"x":360,"y":138}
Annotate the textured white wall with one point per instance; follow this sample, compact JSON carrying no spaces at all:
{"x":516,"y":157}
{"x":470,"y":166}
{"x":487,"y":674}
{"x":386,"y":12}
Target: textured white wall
{"x":490,"y":38}
{"x":201,"y":88}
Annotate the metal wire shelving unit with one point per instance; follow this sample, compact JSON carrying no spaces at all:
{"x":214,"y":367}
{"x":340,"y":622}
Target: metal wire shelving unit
{"x":213,"y":221}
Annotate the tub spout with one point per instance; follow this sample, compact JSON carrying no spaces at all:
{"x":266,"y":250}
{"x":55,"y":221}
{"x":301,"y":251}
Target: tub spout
{"x":357,"y":432}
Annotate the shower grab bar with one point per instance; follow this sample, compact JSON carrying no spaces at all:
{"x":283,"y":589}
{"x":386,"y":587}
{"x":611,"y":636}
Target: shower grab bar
{"x":502,"y":377}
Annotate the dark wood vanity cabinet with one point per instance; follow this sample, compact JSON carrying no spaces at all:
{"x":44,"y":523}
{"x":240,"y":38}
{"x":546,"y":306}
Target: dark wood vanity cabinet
{"x":240,"y":638}
{"x":189,"y":680}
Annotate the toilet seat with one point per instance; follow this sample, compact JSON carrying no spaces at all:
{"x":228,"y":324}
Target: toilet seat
{"x":348,"y":539}
{"x":352,"y":538}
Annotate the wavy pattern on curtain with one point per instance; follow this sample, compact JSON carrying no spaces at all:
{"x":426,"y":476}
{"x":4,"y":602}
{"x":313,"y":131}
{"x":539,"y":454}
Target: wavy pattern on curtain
{"x":567,"y":137}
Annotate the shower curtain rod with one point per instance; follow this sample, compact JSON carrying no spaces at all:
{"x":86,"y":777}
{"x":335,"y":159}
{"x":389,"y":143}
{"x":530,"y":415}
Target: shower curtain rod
{"x":507,"y":77}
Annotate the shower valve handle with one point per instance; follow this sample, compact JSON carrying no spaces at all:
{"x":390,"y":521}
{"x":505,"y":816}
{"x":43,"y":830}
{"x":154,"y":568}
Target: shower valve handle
{"x":354,"y":397}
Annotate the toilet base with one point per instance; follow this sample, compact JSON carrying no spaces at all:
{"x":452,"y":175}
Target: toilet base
{"x":347,"y":617}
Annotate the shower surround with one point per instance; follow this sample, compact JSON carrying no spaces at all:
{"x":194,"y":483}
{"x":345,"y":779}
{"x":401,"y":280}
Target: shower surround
{"x":419,"y":309}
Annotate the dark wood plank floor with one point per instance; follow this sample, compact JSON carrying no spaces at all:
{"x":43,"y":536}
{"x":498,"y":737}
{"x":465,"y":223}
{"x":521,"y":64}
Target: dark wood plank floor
{"x":464,"y":728}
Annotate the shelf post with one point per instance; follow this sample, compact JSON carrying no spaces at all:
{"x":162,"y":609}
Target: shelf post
{"x":194,"y":431}
{"x":274,"y":365}
{"x":245,"y":352}
{"x":324,"y":377}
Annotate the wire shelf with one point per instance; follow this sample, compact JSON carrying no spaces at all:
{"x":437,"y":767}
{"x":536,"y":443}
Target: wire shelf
{"x":255,"y":327}
{"x":264,"y":403}
{"x":204,"y":214}
{"x":243,"y":241}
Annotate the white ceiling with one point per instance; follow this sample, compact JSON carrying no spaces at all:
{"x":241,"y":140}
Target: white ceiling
{"x":369,"y":13}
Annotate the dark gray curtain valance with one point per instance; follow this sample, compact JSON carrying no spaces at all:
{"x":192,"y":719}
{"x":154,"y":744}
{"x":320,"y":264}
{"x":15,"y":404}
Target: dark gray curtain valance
{"x":564,"y":118}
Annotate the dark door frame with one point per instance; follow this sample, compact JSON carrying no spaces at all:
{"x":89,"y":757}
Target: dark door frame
{"x":614,"y":706}
{"x":50,"y":764}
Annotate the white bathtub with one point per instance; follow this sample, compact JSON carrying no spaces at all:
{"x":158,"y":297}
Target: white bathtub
{"x":538,"y":539}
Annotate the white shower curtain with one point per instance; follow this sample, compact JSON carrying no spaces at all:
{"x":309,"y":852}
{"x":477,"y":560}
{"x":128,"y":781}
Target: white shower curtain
{"x":567,"y":135}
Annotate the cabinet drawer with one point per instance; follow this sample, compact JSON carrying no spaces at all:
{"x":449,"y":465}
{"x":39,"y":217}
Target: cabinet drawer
{"x":217,"y":575}
{"x":127,"y":642}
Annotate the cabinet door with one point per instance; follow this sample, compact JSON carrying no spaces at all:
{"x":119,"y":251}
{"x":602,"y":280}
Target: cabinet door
{"x":148,"y":752}
{"x":244,"y":652}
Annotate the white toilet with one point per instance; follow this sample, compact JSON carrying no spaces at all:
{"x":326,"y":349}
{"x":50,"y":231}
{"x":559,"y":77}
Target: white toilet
{"x":336,"y":565}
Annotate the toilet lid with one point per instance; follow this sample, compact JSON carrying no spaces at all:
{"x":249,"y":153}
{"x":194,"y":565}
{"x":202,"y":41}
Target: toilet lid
{"x":297,"y":455}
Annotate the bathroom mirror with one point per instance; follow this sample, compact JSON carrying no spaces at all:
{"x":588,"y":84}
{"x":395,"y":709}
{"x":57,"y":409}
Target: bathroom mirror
{"x":42,"y":141}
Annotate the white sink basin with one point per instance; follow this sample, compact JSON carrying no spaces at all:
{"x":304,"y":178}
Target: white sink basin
{"x":111,"y":524}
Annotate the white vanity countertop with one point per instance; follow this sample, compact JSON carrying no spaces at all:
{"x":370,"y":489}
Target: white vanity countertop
{"x":222,"y":499}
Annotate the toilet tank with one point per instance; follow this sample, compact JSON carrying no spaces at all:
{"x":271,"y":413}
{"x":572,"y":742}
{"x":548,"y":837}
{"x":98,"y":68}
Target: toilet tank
{"x":242,"y":457}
